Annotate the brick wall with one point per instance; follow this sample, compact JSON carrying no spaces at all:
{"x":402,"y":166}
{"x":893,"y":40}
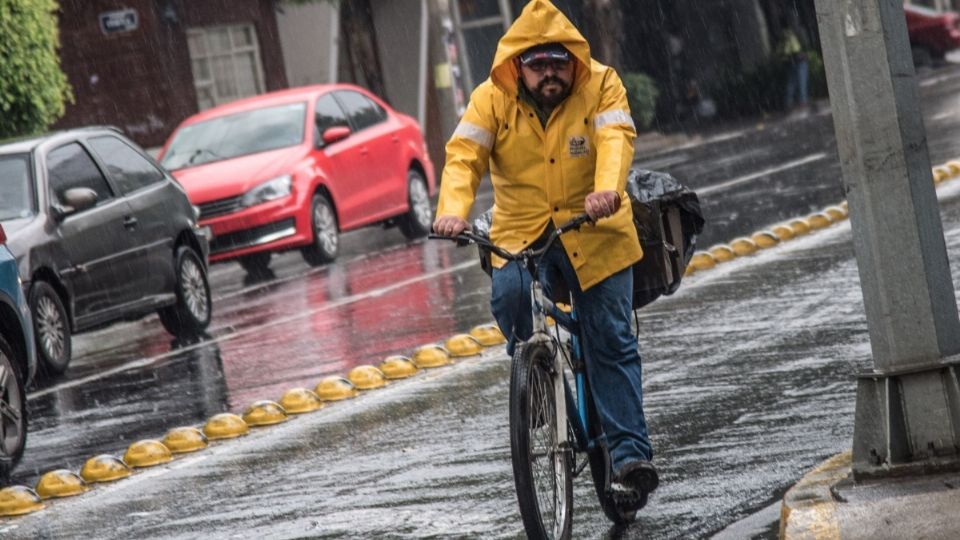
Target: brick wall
{"x":141,"y":80}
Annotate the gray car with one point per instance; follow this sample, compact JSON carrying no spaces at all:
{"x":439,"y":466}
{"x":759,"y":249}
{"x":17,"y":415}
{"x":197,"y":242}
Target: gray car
{"x":101,"y":233}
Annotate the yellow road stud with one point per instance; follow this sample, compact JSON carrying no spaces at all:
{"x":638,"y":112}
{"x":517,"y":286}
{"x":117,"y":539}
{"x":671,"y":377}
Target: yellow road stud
{"x":689,"y":271}
{"x":147,"y":453}
{"x":836,"y":213}
{"x":104,"y":468}
{"x":225,"y":426}
{"x":60,"y":483}
{"x":335,"y":388}
{"x":300,"y":400}
{"x":398,"y":367}
{"x":367,"y":378}
{"x":954,"y":167}
{"x":264,"y":413}
{"x":185,"y":439}
{"x":799,"y":226}
{"x":431,"y":356}
{"x":784,"y":232}
{"x":488,"y":335}
{"x":819,"y":221}
{"x":463,"y":345}
{"x":722,"y":253}
{"x":940,"y":174}
{"x":19,"y":500}
{"x":703,"y":261}
{"x":765,"y":239}
{"x":743,"y":246}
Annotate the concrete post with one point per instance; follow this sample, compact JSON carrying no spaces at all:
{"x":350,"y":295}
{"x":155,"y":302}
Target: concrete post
{"x":908,"y":409}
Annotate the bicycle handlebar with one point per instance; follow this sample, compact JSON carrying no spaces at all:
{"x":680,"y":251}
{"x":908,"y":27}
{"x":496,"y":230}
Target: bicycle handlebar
{"x":467,"y":237}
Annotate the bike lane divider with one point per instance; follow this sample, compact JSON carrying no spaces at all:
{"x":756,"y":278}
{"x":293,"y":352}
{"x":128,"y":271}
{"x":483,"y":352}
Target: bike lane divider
{"x":791,"y":229}
{"x":221,"y":428}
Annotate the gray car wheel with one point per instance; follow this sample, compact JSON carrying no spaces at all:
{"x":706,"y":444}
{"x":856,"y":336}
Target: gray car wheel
{"x":189,"y":317}
{"x":51,"y":326}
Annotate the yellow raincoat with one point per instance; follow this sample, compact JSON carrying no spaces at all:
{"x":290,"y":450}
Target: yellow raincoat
{"x":541,"y":174}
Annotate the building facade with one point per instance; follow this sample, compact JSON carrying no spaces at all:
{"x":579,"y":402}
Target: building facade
{"x":145,"y":65}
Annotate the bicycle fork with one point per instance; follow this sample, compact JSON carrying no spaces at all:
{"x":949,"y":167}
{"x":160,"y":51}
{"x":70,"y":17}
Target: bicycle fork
{"x":540,"y":305}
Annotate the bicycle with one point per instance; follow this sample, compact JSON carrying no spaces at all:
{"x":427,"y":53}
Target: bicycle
{"x":545,"y":440}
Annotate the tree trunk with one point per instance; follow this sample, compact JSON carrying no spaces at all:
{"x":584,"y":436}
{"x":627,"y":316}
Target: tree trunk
{"x":357,"y":35}
{"x":603,"y":20}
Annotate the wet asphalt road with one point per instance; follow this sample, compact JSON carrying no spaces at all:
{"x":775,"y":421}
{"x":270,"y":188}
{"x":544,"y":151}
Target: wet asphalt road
{"x":385,"y":297}
{"x":748,"y":380}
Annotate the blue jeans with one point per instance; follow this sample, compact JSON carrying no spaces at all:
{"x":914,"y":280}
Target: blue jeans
{"x":610,"y":347}
{"x":797,"y":78}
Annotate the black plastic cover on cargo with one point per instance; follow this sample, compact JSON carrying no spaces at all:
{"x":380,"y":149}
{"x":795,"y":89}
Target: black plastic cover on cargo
{"x":668,"y":219}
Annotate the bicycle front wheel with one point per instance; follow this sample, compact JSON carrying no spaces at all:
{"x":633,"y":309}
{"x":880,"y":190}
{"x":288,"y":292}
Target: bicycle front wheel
{"x":542,"y":470}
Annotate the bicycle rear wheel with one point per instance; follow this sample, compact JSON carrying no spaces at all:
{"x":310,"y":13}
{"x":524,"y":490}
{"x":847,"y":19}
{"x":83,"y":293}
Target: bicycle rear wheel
{"x":543,"y":473}
{"x":600,"y":470}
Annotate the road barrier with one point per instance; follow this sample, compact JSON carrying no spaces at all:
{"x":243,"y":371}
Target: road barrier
{"x":18,"y":500}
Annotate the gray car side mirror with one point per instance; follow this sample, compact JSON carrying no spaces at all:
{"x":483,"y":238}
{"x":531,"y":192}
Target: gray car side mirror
{"x":74,"y":200}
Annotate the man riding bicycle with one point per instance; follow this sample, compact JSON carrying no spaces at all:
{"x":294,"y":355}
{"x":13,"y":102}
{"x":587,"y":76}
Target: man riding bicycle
{"x":554,"y":128}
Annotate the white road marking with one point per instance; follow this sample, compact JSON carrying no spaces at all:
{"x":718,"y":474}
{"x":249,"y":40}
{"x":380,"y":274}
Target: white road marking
{"x":760,"y":174}
{"x":256,"y":328}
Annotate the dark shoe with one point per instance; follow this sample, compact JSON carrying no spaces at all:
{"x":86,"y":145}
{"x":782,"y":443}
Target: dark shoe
{"x":628,"y":501}
{"x":639,"y":475}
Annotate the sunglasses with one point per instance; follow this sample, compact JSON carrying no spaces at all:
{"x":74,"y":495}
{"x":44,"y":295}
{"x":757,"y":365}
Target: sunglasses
{"x":540,"y":66}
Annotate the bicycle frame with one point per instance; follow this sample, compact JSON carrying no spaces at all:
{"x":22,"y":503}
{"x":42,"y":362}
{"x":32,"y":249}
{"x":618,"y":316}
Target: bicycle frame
{"x":541,"y":306}
{"x":574,"y":400}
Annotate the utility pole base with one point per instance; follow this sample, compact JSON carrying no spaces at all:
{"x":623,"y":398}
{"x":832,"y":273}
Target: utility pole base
{"x":908,"y":422}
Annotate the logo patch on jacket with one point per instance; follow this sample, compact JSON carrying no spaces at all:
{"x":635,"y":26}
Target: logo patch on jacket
{"x":578,"y":146}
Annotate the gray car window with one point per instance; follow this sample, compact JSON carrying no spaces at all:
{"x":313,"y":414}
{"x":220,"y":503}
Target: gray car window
{"x":363,"y":111}
{"x":126,"y":166}
{"x":70,"y":167}
{"x":16,"y":193}
{"x":329,"y":114}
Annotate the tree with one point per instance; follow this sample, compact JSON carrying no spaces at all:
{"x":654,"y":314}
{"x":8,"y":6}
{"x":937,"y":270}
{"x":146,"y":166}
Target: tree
{"x":604,"y":28}
{"x":33,"y":89}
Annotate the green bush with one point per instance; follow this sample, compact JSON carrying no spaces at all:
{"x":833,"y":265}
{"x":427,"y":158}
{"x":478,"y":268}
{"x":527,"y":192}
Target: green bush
{"x":33,"y":88}
{"x":818,"y":76}
{"x":642,"y":94}
{"x":761,"y":90}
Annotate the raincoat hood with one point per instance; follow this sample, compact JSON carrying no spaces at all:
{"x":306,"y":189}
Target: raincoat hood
{"x":540,"y":22}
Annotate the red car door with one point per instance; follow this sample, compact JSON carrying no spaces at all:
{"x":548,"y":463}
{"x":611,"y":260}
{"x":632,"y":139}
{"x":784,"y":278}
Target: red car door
{"x":384,"y":178}
{"x":341,"y":161}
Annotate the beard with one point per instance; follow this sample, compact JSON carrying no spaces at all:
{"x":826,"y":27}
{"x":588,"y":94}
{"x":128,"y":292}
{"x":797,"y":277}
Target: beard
{"x":553,"y":96}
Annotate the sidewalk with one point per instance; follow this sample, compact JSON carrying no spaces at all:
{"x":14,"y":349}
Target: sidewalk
{"x":827,"y":504}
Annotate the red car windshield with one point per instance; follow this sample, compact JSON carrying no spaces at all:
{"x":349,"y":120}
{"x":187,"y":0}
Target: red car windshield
{"x":16,"y":192}
{"x":236,"y":135}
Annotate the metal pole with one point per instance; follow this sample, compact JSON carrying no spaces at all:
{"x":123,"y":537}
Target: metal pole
{"x":908,"y":409}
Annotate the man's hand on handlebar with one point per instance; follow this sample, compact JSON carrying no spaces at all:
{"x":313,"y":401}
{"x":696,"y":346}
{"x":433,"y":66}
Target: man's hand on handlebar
{"x":602,"y":204}
{"x":449,"y":225}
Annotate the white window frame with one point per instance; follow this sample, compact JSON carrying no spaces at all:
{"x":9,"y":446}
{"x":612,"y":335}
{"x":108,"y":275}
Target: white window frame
{"x":503,"y":20}
{"x":235,"y":50}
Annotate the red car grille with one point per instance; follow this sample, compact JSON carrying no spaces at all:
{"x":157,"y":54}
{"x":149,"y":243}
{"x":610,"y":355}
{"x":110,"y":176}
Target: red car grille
{"x":220,"y":207}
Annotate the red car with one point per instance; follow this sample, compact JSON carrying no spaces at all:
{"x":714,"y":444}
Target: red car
{"x":932,"y":33}
{"x":294,"y":168}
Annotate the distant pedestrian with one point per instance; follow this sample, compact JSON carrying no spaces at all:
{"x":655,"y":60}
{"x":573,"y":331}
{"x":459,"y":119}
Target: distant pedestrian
{"x":791,"y":52}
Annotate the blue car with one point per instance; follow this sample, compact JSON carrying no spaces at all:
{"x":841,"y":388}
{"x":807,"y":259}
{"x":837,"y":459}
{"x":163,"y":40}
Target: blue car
{"x":18,"y":362}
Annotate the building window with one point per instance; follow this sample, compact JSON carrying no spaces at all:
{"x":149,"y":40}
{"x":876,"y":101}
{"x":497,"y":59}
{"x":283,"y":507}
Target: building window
{"x":480,"y":25}
{"x":226,"y":63}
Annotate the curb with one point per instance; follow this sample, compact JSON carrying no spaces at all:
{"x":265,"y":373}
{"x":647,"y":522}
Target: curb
{"x":809,"y":510}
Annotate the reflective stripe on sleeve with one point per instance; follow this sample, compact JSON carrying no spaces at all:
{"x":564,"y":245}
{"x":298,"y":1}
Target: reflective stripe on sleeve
{"x":618,"y":116}
{"x":475,"y":133}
